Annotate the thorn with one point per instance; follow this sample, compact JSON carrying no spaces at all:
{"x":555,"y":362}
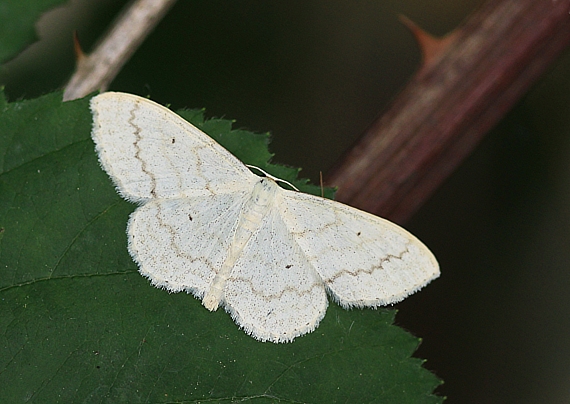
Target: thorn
{"x":79,"y":54}
{"x":430,"y":46}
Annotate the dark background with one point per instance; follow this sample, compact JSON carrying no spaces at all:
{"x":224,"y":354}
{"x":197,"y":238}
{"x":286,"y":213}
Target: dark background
{"x":496,"y":325}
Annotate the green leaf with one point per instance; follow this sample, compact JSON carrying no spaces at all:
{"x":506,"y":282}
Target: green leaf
{"x":79,"y":324}
{"x":17,"y":24}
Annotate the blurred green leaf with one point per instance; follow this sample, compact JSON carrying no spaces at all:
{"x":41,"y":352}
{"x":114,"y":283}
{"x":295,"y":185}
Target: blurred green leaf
{"x":17,"y":24}
{"x":79,"y":324}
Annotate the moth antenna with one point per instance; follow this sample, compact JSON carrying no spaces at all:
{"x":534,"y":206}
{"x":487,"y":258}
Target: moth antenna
{"x":274,"y":178}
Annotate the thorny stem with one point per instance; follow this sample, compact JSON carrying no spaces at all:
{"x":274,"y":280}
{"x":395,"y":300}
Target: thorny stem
{"x":96,"y":70}
{"x":450,"y":104}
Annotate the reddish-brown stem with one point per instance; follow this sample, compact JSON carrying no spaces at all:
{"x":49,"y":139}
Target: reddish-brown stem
{"x":449,"y":105}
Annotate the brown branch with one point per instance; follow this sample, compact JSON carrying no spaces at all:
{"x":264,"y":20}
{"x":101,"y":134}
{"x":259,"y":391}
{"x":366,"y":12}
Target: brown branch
{"x":455,"y":98}
{"x":96,"y":70}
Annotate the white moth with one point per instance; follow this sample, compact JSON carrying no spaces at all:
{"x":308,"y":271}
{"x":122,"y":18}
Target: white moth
{"x":209,"y":226}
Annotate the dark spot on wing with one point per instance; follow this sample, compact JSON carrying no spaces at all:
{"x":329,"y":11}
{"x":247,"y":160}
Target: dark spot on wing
{"x":358,"y":234}
{"x":288,"y":266}
{"x":190,"y":217}
{"x":173,"y":140}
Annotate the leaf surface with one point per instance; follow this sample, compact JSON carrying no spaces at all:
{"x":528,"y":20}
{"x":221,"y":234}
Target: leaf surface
{"x":79,"y":324}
